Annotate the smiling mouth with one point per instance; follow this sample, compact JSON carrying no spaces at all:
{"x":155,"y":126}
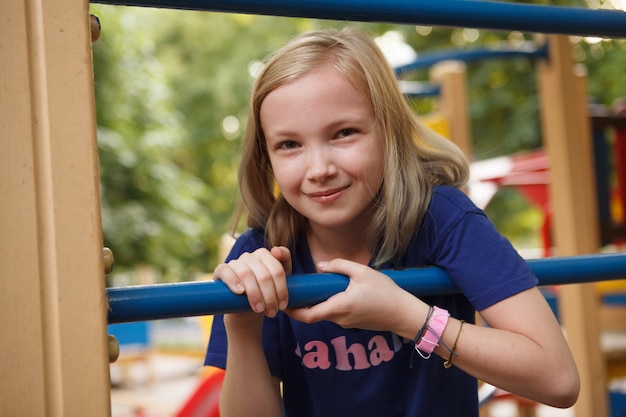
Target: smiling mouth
{"x":326,"y":195}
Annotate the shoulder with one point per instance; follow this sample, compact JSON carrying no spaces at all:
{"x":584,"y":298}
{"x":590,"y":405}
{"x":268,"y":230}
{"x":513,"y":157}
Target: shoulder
{"x":448,"y":207}
{"x":450,"y":211}
{"x":449,"y":198}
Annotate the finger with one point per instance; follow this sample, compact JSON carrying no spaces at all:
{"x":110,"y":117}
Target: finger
{"x":307,"y":315}
{"x":283,"y":254}
{"x":344,"y":267}
{"x":326,"y":310}
{"x":270,"y":278}
{"x":257,"y":280}
{"x":278,"y":263}
{"x":304,"y":315}
{"x":223,"y":272}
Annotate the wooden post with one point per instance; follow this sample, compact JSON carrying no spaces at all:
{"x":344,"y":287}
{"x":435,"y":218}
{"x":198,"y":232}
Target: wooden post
{"x":53,"y":310}
{"x":567,"y":140}
{"x":453,"y":103}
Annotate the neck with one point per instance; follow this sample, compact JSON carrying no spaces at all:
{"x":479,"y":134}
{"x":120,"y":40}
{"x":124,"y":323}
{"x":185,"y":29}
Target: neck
{"x":326,"y":245}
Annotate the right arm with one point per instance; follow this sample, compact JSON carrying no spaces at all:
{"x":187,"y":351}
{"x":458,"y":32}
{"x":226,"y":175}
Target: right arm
{"x":248,"y":387}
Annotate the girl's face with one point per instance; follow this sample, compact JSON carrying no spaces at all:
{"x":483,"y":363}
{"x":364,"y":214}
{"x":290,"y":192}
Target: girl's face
{"x":325,"y":148}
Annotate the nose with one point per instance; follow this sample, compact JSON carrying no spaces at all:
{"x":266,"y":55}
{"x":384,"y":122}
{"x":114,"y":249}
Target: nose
{"x":321,"y":164}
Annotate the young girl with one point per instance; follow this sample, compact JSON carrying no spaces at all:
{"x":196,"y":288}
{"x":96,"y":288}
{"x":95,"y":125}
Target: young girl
{"x":338,"y":176}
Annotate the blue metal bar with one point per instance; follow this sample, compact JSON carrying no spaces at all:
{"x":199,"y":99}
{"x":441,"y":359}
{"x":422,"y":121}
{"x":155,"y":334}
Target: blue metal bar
{"x":457,"y":13}
{"x":428,"y":59}
{"x":162,"y":301}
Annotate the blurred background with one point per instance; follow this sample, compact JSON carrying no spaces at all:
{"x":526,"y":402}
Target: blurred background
{"x":172,"y":90}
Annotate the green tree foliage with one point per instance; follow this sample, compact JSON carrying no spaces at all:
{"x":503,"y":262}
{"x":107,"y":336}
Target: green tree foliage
{"x":156,"y":209}
{"x":171,"y":93}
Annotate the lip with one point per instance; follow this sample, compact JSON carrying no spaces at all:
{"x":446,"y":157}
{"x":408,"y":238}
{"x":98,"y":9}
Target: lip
{"x":326,"y":196}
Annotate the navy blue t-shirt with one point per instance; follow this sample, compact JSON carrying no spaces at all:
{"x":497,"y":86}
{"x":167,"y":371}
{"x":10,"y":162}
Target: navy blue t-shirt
{"x":329,"y":371}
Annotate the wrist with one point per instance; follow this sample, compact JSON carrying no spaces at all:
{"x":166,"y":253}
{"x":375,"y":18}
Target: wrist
{"x":408,"y":309}
{"x":430,"y":334}
{"x":246,"y":325}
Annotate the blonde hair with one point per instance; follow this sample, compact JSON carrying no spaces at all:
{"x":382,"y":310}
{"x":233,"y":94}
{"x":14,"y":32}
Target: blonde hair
{"x":414,"y":157}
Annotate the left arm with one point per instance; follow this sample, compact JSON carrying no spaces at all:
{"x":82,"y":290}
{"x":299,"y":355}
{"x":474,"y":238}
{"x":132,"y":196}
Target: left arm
{"x":522,"y":351}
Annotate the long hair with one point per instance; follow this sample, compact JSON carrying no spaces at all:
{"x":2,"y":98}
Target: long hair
{"x":414,"y":157}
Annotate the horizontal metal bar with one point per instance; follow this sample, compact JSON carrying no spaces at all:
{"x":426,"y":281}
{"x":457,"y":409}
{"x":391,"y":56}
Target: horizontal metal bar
{"x":428,"y":59}
{"x":457,"y":13}
{"x":162,"y":301}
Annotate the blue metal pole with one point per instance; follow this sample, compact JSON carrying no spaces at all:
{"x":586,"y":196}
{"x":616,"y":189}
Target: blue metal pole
{"x":457,"y":13}
{"x":428,"y":59}
{"x":162,"y":301}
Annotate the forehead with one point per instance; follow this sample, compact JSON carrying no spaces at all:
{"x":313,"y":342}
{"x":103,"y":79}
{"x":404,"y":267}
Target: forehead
{"x":319,"y":89}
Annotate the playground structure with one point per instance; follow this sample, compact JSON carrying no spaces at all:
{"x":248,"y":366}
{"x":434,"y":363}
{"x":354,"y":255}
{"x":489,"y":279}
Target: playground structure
{"x":54,"y":310}
{"x":528,"y":172}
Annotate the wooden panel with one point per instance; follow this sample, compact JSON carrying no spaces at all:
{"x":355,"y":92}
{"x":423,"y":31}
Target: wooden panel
{"x":453,"y":103}
{"x":21,"y":381}
{"x":567,"y":140}
{"x":53,"y":310}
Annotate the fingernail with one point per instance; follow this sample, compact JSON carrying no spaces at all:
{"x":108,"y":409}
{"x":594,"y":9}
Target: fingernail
{"x":239,"y":288}
{"x":283,"y":305}
{"x":259,"y":307}
{"x":271,"y":313}
{"x":322,"y":265}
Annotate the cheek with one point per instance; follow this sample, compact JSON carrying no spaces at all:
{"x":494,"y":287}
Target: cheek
{"x":286,"y":177}
{"x":371,"y":169}
{"x":374,"y":179}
